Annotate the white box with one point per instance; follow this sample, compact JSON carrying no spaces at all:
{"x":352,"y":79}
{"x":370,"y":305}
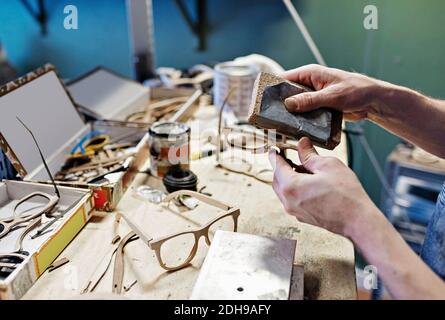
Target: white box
{"x":44,"y":249}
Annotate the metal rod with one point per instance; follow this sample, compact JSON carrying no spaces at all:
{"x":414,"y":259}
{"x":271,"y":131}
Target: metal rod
{"x":42,"y":157}
{"x":186,"y":15}
{"x":202,"y":23}
{"x":307,"y":37}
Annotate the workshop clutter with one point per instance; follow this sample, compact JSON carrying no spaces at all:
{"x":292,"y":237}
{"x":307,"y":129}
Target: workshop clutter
{"x":78,"y":155}
{"x":76,"y":167}
{"x":172,"y":251}
{"x":35,"y":230}
{"x":95,"y":135}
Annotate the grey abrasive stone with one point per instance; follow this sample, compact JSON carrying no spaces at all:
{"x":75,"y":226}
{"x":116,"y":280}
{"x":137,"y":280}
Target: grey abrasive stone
{"x":323,"y":126}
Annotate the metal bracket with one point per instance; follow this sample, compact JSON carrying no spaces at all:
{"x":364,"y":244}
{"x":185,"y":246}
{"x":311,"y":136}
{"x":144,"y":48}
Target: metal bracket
{"x":199,"y":27}
{"x":41,"y":15}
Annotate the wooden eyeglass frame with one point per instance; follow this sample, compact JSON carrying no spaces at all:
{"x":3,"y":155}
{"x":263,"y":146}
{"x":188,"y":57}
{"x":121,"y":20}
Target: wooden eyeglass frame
{"x":156,"y":244}
{"x":280,"y":148}
{"x":7,"y":224}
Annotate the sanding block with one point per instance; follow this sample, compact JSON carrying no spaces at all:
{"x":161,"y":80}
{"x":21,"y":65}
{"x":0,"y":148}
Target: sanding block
{"x":268,"y":111}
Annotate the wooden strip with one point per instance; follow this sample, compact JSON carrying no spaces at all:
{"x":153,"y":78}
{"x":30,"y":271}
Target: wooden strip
{"x":58,"y":264}
{"x":118,"y":273}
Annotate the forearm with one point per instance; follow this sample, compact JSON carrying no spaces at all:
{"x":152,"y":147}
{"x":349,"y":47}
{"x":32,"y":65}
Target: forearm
{"x":410,"y":115}
{"x":404,"y":274}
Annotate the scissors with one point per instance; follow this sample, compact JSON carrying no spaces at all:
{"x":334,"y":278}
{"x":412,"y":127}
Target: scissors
{"x":89,"y":144}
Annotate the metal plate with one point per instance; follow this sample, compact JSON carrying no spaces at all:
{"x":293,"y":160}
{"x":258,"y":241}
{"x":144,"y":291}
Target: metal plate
{"x":243,"y":266}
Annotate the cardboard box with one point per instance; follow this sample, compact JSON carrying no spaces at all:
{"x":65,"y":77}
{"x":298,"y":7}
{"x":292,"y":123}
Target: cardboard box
{"x":76,"y":204}
{"x":104,"y":94}
{"x":41,"y":100}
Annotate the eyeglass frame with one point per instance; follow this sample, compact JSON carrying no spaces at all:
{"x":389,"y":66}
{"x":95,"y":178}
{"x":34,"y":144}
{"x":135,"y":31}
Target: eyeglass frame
{"x":266,"y":147}
{"x":156,"y":243}
{"x":9,"y":223}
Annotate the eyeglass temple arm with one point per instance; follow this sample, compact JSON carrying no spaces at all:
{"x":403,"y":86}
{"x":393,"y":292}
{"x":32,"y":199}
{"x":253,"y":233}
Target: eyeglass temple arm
{"x":227,"y":131}
{"x":279,"y":147}
{"x":52,"y":201}
{"x":262,"y":149}
{"x":42,"y":157}
{"x":200,"y":197}
{"x":142,"y":235}
{"x":221,"y":110}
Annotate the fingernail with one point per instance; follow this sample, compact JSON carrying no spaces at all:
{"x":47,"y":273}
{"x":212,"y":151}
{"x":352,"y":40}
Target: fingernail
{"x":290,"y":103}
{"x":272,"y":159}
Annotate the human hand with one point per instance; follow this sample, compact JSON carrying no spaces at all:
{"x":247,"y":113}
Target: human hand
{"x":331,"y":197}
{"x":354,"y":94}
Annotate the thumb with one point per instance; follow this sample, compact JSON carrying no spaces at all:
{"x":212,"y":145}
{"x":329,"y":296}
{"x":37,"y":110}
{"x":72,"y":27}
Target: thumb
{"x":308,"y":155}
{"x":307,"y":101}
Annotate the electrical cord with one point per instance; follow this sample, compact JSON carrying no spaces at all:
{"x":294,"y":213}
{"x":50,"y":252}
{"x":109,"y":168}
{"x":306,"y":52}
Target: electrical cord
{"x":350,"y":149}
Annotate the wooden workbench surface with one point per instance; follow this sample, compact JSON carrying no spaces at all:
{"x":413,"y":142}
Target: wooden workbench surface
{"x":328,"y":259}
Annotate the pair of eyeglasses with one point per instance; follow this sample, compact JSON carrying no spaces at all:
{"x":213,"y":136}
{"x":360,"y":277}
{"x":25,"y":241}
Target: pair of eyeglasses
{"x":255,"y":143}
{"x":170,"y":259}
{"x":248,"y":138}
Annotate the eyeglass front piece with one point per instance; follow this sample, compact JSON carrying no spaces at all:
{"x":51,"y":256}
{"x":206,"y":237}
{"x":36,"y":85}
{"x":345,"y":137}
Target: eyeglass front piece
{"x":225,"y":223}
{"x":245,"y":139}
{"x":177,"y":251}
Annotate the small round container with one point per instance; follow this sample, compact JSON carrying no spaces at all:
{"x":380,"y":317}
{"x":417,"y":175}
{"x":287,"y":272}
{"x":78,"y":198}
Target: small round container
{"x":169,"y":144}
{"x":237,"y":77}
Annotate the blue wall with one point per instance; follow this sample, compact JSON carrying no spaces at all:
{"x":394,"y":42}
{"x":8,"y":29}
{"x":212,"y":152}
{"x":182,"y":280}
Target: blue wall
{"x":102,"y":37}
{"x":408,"y":48}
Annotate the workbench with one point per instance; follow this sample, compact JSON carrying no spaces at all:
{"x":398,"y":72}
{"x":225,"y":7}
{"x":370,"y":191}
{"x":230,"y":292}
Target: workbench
{"x":328,"y":259}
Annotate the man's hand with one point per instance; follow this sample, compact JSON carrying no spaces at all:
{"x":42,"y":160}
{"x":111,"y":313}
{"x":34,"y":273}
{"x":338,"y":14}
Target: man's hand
{"x":352,"y":93}
{"x":331,"y":197}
